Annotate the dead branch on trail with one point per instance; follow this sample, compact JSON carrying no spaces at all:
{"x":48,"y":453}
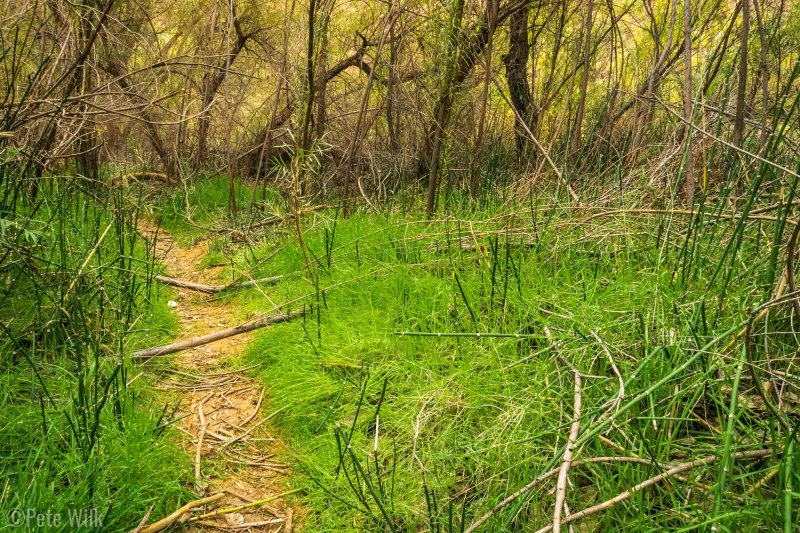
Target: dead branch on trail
{"x":214,"y":289}
{"x":164,"y":523}
{"x":214,"y":336}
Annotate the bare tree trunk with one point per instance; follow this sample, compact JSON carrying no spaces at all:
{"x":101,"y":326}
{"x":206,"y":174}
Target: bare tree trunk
{"x":557,"y":42}
{"x":587,"y":50}
{"x":687,"y":99}
{"x":321,"y":66}
{"x":87,"y":142}
{"x":470,"y":49}
{"x":614,"y":80}
{"x":516,"y":61}
{"x":763,"y":74}
{"x":305,"y":140}
{"x":442,"y":114}
{"x":119,"y":71}
{"x":652,"y":82}
{"x":392,"y":123}
{"x":738,"y":123}
{"x":212,"y":81}
{"x":475,"y":177}
{"x":362,"y":112}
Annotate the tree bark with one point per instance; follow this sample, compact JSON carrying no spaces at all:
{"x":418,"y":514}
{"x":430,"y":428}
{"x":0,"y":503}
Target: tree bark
{"x":212,"y":81}
{"x":392,"y":122}
{"x":443,"y":106}
{"x":647,"y":107}
{"x":471,"y":48}
{"x":475,"y":177}
{"x":587,"y":54}
{"x":120,"y":72}
{"x":516,"y":62}
{"x":763,"y":74}
{"x":305,"y":138}
{"x":687,"y":99}
{"x":738,"y":123}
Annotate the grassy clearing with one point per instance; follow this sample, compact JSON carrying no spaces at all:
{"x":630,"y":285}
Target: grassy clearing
{"x":443,"y":427}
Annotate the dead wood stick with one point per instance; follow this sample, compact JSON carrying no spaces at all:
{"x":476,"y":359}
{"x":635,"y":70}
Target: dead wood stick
{"x":255,"y":411}
{"x":191,"y":285}
{"x":194,"y":342}
{"x":544,"y":477}
{"x":272,"y":280}
{"x":145,"y":518}
{"x":245,"y":506}
{"x":289,"y":516}
{"x":164,"y":523}
{"x":246,"y":433}
{"x":198,"y":476}
{"x":254,"y":524}
{"x":592,"y":460}
{"x":214,"y":289}
{"x":561,"y":486}
{"x":683,"y":467}
{"x":567,"y":513}
{"x":615,"y":403}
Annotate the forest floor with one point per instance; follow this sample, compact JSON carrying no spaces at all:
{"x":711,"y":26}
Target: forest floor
{"x":223,"y":413}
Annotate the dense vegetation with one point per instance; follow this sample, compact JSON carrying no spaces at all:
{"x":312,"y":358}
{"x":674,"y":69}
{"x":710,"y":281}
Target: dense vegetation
{"x":520,"y":231}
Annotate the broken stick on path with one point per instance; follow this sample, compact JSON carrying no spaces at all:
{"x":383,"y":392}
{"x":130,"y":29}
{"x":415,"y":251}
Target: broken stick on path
{"x":194,"y":342}
{"x":214,"y":289}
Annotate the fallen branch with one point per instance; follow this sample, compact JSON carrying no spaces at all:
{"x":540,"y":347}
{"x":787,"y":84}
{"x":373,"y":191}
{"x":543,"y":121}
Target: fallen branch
{"x":194,"y":342}
{"x":229,"y":510}
{"x":592,"y":460}
{"x":164,"y":523}
{"x":214,"y":289}
{"x":683,"y":467}
{"x":246,"y":433}
{"x":615,"y":403}
{"x":198,"y":477}
{"x":191,"y":285}
{"x":144,"y":520}
{"x":561,"y":486}
{"x":544,"y":477}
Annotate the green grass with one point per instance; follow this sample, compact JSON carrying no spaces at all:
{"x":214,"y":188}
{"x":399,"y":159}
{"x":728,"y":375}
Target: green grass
{"x":429,"y":430}
{"x":207,"y":201}
{"x":130,"y":471}
{"x":463,"y":421}
{"x":79,"y":427}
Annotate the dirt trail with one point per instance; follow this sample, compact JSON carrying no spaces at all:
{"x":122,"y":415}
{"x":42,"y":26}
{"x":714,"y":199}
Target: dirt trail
{"x":227,"y":427}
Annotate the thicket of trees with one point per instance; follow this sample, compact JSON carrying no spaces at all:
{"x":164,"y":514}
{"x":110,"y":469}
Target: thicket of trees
{"x":367,"y":95}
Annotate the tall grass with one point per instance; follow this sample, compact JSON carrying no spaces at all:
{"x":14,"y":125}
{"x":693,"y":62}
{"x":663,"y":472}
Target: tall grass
{"x":76,"y":295}
{"x":430,"y":429}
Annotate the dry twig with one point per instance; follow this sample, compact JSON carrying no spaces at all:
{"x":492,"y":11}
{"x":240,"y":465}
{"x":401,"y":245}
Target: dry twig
{"x":561,"y":486}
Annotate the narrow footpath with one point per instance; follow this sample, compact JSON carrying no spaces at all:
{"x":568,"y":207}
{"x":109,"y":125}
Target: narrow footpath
{"x":225,"y":414}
